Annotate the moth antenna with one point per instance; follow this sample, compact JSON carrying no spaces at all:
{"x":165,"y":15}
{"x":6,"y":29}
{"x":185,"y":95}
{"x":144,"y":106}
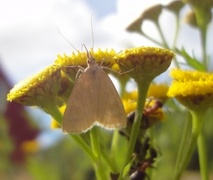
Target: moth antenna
{"x":89,"y":55}
{"x":93,"y":38}
{"x":67,"y":40}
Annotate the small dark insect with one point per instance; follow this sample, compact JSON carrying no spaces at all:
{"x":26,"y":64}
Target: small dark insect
{"x":144,"y":153}
{"x":114,"y":176}
{"x":139,"y":173}
{"x":150,"y":109}
{"x":151,"y":115}
{"x":150,"y":112}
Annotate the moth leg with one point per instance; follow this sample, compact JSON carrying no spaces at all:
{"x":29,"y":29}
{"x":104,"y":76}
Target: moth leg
{"x":79,"y":72}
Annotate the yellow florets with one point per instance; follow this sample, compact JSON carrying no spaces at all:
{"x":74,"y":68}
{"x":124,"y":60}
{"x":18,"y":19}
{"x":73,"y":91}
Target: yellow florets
{"x":158,"y":91}
{"x":30,"y":146}
{"x":35,"y":89}
{"x":194,"y":89}
{"x":187,"y":83}
{"x":146,"y":62}
{"x":130,"y":100}
{"x":79,"y":59}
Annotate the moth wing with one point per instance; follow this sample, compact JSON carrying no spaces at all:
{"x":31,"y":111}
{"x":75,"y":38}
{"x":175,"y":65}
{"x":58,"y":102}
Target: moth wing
{"x":111,"y":112}
{"x":79,"y":115}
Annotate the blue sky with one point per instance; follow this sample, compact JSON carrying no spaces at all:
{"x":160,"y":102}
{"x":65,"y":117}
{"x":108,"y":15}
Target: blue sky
{"x":29,"y":39}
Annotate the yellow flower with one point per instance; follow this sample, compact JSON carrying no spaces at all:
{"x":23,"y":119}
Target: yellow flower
{"x":130,"y":104}
{"x":193,"y":88}
{"x":72,"y":63}
{"x":192,"y":82}
{"x":143,"y":62}
{"x":158,"y":91}
{"x":105,"y":57}
{"x":30,"y":146}
{"x":38,"y":89}
{"x":55,"y":124}
{"x":152,"y":112}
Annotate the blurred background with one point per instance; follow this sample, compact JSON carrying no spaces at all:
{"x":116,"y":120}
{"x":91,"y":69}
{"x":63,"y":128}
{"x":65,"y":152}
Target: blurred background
{"x":30,"y":40}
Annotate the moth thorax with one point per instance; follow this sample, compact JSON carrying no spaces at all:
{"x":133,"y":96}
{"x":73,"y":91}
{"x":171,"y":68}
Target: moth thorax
{"x":91,"y":61}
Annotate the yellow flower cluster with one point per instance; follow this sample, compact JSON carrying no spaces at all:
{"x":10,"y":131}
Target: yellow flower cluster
{"x":51,"y":81}
{"x":193,"y":89}
{"x":51,"y":87}
{"x":188,"y":82}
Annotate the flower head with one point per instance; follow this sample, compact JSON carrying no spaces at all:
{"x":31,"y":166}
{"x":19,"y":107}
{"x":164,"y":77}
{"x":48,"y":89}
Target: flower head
{"x":158,"y":91}
{"x":193,"y":88}
{"x":72,"y":63}
{"x":151,"y":14}
{"x":146,"y":62}
{"x":202,"y":12}
{"x":151,"y":114}
{"x":190,"y":18}
{"x":30,"y":146}
{"x":79,"y":59}
{"x":37,"y":89}
{"x":174,"y":6}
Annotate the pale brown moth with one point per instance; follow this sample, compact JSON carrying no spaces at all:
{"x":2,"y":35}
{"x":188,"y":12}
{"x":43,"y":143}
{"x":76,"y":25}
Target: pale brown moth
{"x":93,"y":101}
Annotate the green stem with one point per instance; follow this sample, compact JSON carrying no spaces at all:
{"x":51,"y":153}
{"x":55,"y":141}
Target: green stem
{"x":203,"y":46}
{"x":151,"y":39}
{"x":122,"y":82}
{"x":115,"y":140}
{"x":176,"y":31}
{"x":99,"y":171}
{"x":143,"y":86}
{"x":94,"y":156}
{"x":190,"y":144}
{"x":202,"y":156}
{"x":202,"y":22}
{"x":91,"y":155}
{"x":110,"y":161}
{"x":85,"y":147}
{"x":115,"y":149}
{"x":183,"y":143}
{"x":54,"y":111}
{"x":162,"y":36}
{"x":175,"y":38}
{"x":56,"y":114}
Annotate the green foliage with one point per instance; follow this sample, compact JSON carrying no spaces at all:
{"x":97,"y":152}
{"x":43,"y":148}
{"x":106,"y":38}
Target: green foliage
{"x":191,"y":61}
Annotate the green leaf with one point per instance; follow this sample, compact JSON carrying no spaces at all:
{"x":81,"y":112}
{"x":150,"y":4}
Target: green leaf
{"x":191,"y":61}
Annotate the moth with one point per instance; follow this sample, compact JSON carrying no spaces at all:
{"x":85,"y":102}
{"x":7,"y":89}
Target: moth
{"x":93,"y":101}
